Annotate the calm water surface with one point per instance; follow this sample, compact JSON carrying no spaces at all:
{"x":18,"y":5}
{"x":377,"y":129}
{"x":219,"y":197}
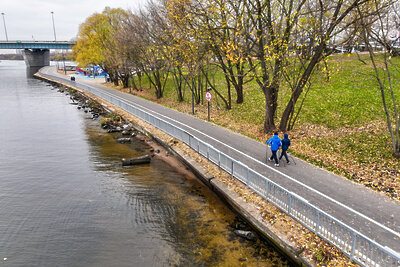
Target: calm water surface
{"x":65,"y":199}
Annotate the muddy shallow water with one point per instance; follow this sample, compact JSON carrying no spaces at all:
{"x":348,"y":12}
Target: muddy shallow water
{"x":66,"y":200}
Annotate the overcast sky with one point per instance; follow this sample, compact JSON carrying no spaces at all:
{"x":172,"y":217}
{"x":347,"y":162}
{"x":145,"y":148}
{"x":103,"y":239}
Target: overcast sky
{"x":31,"y":19}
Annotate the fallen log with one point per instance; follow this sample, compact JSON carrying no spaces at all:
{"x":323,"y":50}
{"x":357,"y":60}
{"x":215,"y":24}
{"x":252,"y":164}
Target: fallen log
{"x":135,"y":161}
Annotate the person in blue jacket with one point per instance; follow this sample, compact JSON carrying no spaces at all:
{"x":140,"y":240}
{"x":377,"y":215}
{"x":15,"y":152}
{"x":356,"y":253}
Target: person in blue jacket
{"x":285,"y":147}
{"x":275,"y":143}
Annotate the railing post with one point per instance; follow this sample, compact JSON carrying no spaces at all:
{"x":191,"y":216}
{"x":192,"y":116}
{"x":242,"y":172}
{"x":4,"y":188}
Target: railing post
{"x":289,"y":203}
{"x":317,"y":224}
{"x":353,"y":246}
{"x":208,"y":152}
{"x":267,"y":190}
{"x":232,"y":168}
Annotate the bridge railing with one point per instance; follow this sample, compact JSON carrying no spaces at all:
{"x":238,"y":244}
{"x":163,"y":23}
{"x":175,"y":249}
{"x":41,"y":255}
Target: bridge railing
{"x":355,"y":245}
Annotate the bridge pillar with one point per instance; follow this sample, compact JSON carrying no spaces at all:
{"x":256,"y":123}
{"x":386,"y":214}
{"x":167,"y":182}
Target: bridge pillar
{"x":36,"y":57}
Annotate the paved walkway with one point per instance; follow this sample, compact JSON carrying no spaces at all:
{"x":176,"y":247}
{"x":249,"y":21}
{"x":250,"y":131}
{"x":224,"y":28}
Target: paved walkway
{"x":371,"y":213}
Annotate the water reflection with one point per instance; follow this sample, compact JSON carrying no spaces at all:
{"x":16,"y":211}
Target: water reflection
{"x":30,"y":71}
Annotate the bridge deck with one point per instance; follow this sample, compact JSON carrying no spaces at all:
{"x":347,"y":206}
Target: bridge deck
{"x":36,"y":44}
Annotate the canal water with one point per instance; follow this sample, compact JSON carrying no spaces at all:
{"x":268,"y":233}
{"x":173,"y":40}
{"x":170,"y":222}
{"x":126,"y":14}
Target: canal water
{"x":65,"y":199}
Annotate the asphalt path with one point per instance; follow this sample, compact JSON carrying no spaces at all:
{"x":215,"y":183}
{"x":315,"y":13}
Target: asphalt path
{"x":368,"y":212}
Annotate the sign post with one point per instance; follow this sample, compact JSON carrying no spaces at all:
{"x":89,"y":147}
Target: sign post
{"x":208,"y":98}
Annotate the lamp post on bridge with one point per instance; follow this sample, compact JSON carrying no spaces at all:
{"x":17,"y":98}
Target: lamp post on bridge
{"x":54,"y":27}
{"x":5,"y":29}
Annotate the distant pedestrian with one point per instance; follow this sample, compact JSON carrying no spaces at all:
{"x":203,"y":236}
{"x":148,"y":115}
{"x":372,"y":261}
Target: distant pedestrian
{"x":285,"y":147}
{"x":275,"y":143}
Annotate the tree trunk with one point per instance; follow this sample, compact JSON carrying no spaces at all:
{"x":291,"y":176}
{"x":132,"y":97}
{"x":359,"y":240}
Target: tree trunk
{"x":270,"y":108}
{"x":283,"y":126}
{"x":228,"y":85}
{"x":139,"y":74}
{"x":178,"y":78}
{"x":157,"y":84}
{"x":115,"y":79}
{"x":239,"y":87}
{"x":134,"y":84}
{"x":125,"y":81}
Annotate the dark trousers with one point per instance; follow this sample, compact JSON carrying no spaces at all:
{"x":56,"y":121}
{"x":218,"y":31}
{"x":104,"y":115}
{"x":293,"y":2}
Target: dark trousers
{"x":284,"y":154}
{"x":274,"y":156}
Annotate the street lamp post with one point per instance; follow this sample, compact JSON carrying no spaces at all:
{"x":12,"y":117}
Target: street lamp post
{"x":54,"y":27}
{"x":5,"y":29}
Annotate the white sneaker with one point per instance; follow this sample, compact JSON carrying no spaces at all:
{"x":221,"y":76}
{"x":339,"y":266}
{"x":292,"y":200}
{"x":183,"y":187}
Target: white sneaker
{"x":276,"y":165}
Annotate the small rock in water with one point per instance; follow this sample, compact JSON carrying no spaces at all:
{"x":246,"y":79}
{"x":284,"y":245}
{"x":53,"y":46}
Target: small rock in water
{"x":123,"y":140}
{"x":125,"y":132}
{"x":246,"y":234}
{"x":240,"y":226}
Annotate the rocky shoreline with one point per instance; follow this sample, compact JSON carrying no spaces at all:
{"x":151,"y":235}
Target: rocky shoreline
{"x":128,"y":133}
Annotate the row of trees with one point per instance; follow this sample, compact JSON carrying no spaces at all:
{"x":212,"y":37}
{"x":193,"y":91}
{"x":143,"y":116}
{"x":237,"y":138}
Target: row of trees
{"x":272,"y":42}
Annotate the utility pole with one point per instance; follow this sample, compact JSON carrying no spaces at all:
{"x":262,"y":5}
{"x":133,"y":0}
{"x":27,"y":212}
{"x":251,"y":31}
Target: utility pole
{"x":5,"y":29}
{"x":54,"y":27}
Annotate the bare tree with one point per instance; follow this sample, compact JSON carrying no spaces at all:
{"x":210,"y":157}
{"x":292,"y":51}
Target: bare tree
{"x":384,"y":75}
{"x":271,"y":32}
{"x":144,"y":35}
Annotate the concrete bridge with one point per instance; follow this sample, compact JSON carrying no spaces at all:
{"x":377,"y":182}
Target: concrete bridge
{"x":36,"y":53}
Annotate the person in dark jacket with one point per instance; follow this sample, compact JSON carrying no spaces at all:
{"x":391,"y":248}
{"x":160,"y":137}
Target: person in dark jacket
{"x":285,"y":146}
{"x":275,"y":143}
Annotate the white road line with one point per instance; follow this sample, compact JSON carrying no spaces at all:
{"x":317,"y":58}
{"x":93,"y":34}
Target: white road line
{"x":262,"y":163}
